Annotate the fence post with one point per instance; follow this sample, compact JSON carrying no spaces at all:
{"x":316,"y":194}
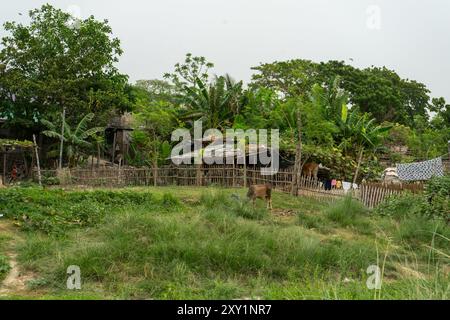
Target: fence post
{"x":199,"y":175}
{"x":245,"y":173}
{"x":234,"y":174}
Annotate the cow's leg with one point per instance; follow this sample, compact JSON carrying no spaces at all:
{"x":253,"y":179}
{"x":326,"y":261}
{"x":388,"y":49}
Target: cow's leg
{"x":269,"y":203}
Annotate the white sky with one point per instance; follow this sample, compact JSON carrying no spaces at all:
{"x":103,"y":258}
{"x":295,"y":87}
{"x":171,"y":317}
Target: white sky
{"x":410,"y":36}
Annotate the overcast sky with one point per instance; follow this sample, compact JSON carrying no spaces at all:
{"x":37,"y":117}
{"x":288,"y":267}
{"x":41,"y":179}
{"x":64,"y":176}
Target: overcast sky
{"x":409,"y":36}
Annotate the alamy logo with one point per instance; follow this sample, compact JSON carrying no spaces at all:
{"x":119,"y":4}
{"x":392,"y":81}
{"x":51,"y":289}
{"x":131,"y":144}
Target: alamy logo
{"x":74,"y":279}
{"x":373,"y":21}
{"x":249,"y":147}
{"x":374,"y":280}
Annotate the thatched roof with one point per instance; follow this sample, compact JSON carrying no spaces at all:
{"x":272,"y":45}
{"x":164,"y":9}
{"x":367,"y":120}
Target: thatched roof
{"x":11,"y":145}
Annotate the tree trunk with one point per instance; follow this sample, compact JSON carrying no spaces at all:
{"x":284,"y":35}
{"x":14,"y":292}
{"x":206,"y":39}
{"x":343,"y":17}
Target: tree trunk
{"x":298,"y":158}
{"x":361,"y":152}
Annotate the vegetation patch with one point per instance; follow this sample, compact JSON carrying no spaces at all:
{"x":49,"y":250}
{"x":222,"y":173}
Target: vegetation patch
{"x":4,"y":267}
{"x":205,"y":248}
{"x":54,"y":211}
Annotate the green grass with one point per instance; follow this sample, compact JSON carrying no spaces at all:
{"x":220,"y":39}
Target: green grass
{"x":4,"y":267}
{"x":192,"y":243}
{"x":4,"y":261}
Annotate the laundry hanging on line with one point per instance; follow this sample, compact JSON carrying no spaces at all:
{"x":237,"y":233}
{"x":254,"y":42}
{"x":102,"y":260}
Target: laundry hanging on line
{"x":420,"y":171}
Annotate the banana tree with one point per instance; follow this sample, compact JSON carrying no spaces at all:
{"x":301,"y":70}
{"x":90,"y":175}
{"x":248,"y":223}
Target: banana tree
{"x":360,"y":131}
{"x":76,"y":139}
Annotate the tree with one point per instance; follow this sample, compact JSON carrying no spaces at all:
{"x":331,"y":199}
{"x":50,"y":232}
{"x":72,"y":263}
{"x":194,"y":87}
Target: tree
{"x":76,"y":140}
{"x":216,"y":103}
{"x":156,"y":90}
{"x":442,"y":110}
{"x":288,"y":78}
{"x":187,"y":73}
{"x":52,"y":63}
{"x":378,"y":91}
{"x":258,"y":109}
{"x":361,"y":133}
{"x":153,"y":126}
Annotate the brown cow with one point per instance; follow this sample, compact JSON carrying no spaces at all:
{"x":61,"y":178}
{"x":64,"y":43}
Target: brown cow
{"x":263,"y":191}
{"x":310,"y":170}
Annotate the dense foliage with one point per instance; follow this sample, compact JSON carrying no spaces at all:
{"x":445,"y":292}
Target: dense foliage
{"x":433,"y":203}
{"x":55,"y":63}
{"x":55,"y":211}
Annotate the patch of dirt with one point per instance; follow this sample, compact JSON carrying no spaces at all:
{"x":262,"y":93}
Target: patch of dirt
{"x":15,"y":282}
{"x":283,"y":213}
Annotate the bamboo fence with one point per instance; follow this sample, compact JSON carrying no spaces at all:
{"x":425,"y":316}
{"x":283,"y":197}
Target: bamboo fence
{"x":371,"y":194}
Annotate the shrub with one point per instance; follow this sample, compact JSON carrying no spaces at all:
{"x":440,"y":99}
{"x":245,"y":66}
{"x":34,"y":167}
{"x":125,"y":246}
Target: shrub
{"x":437,"y":194}
{"x":434,"y":202}
{"x":401,"y":206}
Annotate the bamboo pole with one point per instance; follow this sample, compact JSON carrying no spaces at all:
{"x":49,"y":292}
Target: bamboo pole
{"x":62,"y":139}
{"x":37,"y":160}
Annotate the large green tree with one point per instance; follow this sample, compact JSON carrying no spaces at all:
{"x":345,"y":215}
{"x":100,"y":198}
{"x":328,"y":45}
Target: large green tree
{"x":378,"y":91}
{"x":52,"y":63}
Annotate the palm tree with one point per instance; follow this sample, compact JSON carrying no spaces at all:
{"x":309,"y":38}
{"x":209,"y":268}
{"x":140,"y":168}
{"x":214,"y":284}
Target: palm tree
{"x":75,"y":139}
{"x":216,"y":103}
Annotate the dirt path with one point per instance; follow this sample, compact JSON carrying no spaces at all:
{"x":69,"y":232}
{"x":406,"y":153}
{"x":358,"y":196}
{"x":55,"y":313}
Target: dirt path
{"x":15,"y":282}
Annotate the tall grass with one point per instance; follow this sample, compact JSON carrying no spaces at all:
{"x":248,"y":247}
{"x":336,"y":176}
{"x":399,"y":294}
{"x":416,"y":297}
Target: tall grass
{"x":349,"y":212}
{"x":4,"y":267}
{"x":232,"y":204}
{"x":219,"y":247}
{"x":214,"y":255}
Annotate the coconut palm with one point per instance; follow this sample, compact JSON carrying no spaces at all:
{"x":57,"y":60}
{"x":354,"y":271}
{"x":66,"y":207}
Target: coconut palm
{"x":75,"y":139}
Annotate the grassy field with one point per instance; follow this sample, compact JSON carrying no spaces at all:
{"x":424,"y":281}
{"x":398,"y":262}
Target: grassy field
{"x":199,"y":243}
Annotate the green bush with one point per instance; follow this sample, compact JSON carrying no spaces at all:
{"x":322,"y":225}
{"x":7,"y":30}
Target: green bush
{"x":437,"y":193}
{"x":434,"y":202}
{"x":401,"y":206}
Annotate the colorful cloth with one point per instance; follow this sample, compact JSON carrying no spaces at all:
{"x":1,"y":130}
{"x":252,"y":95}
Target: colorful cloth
{"x":420,"y":171}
